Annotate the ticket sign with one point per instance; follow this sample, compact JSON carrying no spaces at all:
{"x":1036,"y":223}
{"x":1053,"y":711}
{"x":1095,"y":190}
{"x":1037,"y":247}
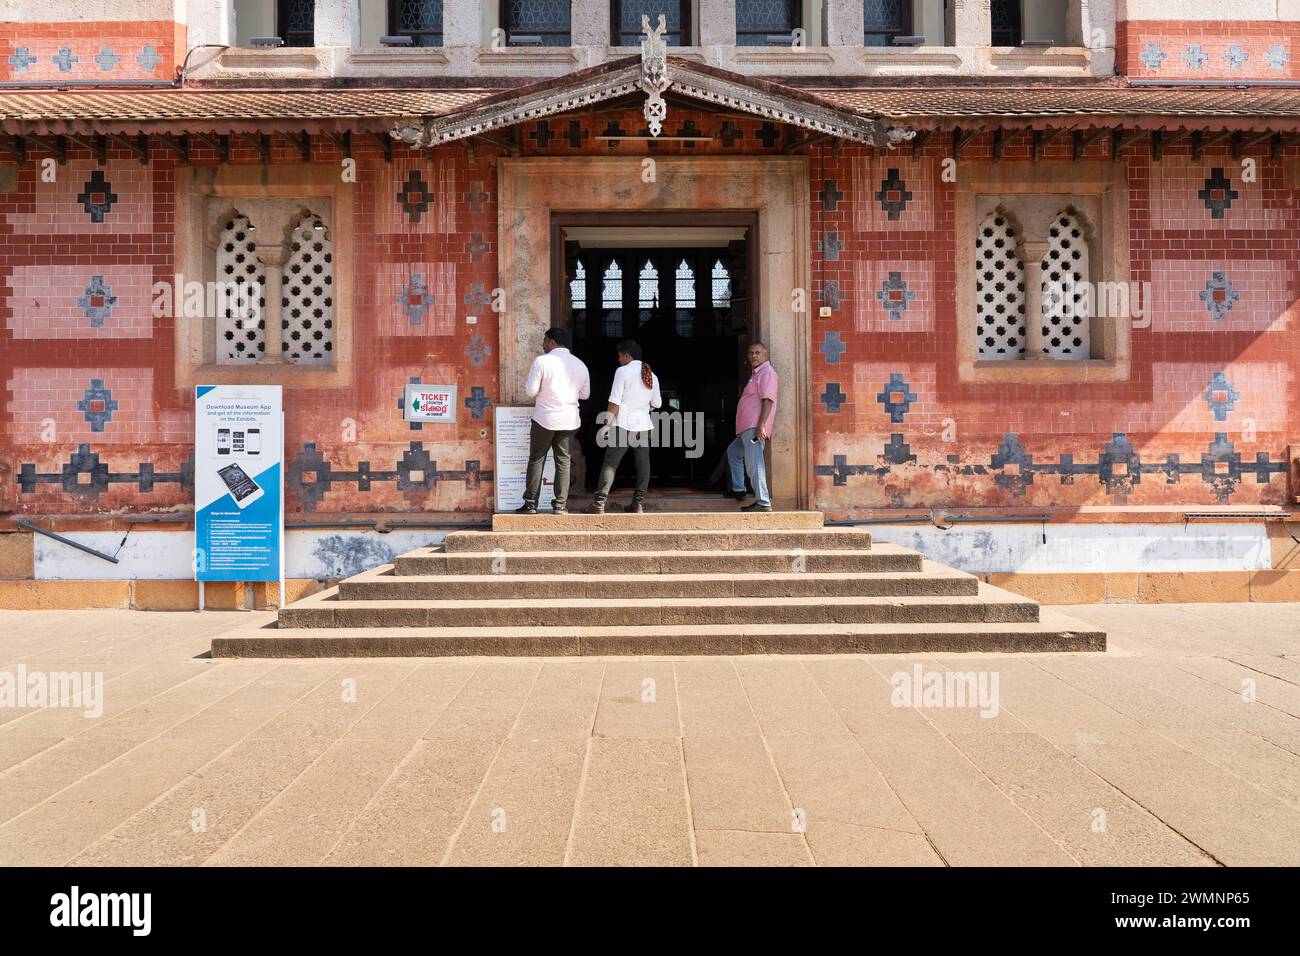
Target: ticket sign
{"x":430,"y":403}
{"x":238,"y":486}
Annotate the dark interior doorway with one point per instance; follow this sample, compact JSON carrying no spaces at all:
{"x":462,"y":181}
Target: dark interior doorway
{"x":682,"y":292}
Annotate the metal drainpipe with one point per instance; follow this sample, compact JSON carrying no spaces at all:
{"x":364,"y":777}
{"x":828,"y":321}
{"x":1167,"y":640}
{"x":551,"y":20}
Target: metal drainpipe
{"x":68,"y":541}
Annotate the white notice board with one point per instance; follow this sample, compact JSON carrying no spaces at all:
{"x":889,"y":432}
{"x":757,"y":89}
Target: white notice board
{"x":513,"y":424}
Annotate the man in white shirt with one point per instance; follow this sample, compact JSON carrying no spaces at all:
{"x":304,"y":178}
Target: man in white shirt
{"x":556,"y":382}
{"x":634,"y":393}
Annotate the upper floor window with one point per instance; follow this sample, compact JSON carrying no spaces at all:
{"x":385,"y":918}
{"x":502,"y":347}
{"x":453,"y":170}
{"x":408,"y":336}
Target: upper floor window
{"x":296,"y":22}
{"x":625,"y":16}
{"x":1008,"y":27}
{"x":421,"y":20}
{"x":882,"y":20}
{"x":765,"y":22}
{"x":536,"y":22}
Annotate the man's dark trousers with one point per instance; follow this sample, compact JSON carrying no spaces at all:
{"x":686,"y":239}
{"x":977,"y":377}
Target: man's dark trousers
{"x":540,"y":441}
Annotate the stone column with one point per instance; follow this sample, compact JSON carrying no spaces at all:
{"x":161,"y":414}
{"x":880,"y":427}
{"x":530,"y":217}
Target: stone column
{"x":589,"y":23}
{"x":842,"y":22}
{"x":273,"y":258}
{"x":462,"y":22}
{"x":717,"y":25}
{"x":970,"y":23}
{"x":338,"y":23}
{"x":1032,"y":254}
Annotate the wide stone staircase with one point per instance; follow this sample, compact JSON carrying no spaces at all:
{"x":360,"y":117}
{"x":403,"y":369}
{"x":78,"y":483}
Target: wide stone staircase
{"x":662,"y":584}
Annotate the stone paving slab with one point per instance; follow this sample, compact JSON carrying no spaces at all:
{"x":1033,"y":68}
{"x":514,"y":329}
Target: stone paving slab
{"x":1147,"y":754}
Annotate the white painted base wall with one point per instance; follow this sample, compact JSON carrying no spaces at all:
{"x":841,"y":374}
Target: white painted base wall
{"x":1079,"y":548}
{"x":1089,"y":548}
{"x":161,"y":555}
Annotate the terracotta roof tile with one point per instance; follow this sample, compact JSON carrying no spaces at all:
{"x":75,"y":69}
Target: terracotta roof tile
{"x":270,"y":110}
{"x":256,"y":106}
{"x":1028,"y":102}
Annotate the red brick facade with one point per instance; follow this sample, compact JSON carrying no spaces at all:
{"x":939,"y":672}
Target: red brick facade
{"x":94,"y":423}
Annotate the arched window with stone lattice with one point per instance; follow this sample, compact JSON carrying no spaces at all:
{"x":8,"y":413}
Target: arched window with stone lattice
{"x":241,"y":303}
{"x":1066,"y":298}
{"x":999,"y":288}
{"x":307,"y":294}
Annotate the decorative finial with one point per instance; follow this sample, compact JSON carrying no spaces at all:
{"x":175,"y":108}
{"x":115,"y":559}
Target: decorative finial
{"x":654,"y":73}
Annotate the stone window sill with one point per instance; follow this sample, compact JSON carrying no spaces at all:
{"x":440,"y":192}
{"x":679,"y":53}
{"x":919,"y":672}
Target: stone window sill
{"x":284,"y":374}
{"x":1045,"y":371}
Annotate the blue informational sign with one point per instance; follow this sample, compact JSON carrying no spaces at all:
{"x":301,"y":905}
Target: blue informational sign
{"x":238,"y":483}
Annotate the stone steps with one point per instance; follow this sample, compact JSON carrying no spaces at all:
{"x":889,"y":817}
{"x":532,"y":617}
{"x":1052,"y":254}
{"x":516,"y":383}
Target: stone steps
{"x":700,"y":521}
{"x":1055,"y":632}
{"x":881,"y":557}
{"x":614,"y":542}
{"x":989,"y":605}
{"x":663,"y":584}
{"x":384,"y":584}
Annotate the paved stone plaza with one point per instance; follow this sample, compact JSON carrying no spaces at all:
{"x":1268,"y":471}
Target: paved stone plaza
{"x":1151,"y":753}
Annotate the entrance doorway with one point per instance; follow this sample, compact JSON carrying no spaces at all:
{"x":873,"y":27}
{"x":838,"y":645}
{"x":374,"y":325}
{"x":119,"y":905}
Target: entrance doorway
{"x":680,"y":288}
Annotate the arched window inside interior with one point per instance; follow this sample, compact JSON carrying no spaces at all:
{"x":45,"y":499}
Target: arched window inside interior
{"x":721,"y":285}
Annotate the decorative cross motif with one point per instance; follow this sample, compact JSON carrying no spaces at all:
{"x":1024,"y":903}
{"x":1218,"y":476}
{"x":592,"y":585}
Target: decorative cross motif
{"x":1219,"y":296}
{"x":1221,"y":466}
{"x":65,"y":58}
{"x":832,"y":246}
{"x":1218,"y":193}
{"x":1235,"y":56}
{"x":1119,"y":466}
{"x":97,"y":197}
{"x":542,"y":135}
{"x":613,"y":129}
{"x":415,"y":299}
{"x":1221,"y":396}
{"x":769,"y":134}
{"x":730,"y":133}
{"x":97,"y":405}
{"x":894,"y":296}
{"x":897,"y":451}
{"x":833,"y":347}
{"x":477,"y":295}
{"x":97,"y":301}
{"x":476,"y":197}
{"x":688,"y":128}
{"x":107,"y":59}
{"x":148,"y":59}
{"x":893,"y":195}
{"x":21,"y":59}
{"x":830,"y":195}
{"x":896,"y":397}
{"x":1195,"y":56}
{"x":840,"y":471}
{"x":478,"y":350}
{"x":478,"y":402}
{"x":833,"y":398}
{"x":1277,"y":57}
{"x":1015,"y":465}
{"x":476,"y":247}
{"x":654,"y":73}
{"x":831,"y":294}
{"x":575,"y":134}
{"x":1152,"y":56}
{"x":414,"y":196}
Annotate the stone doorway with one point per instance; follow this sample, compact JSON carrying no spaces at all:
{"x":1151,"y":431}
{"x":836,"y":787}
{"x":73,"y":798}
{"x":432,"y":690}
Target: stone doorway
{"x":773,"y":190}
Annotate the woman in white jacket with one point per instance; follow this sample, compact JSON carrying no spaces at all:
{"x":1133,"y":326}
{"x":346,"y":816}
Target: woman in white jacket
{"x":627,"y":425}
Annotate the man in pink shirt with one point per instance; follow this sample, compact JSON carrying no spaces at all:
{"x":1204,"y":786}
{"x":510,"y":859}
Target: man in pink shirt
{"x":755,"y":418}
